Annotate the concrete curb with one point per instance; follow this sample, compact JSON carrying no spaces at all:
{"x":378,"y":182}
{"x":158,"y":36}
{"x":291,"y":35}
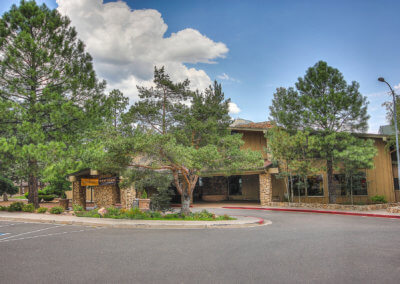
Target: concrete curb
{"x":319,"y":211}
{"x":241,"y":222}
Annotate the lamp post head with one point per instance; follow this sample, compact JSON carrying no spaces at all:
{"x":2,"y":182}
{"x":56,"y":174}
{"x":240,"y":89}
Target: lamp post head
{"x":381,"y":79}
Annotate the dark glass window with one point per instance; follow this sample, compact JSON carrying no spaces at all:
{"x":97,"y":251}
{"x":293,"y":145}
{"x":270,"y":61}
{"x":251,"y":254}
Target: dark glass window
{"x":396,"y":183}
{"x":344,"y":184}
{"x":315,"y":186}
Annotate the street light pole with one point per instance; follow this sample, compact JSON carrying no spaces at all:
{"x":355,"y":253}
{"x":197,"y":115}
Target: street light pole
{"x":381,"y":79}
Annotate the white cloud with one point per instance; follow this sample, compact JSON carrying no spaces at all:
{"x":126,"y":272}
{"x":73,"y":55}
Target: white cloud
{"x":233,"y":108}
{"x":126,"y":44}
{"x":226,"y":77}
{"x":397,"y":87}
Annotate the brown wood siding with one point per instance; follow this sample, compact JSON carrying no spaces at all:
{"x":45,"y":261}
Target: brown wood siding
{"x":254,"y":140}
{"x":380,"y":178}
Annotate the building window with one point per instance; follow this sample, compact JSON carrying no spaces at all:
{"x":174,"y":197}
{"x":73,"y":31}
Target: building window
{"x":315,"y":186}
{"x":344,"y":184}
{"x":235,"y":185}
{"x":396,"y":183}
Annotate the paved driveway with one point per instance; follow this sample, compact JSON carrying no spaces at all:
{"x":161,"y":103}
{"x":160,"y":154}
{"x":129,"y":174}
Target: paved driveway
{"x":296,"y":248}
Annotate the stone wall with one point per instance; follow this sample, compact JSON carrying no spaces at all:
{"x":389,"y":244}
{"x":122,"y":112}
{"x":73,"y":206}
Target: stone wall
{"x":78,"y":194}
{"x":265,"y":188}
{"x":106,"y":195}
{"x":127,"y":197}
{"x":334,"y":206}
{"x":394,"y":209}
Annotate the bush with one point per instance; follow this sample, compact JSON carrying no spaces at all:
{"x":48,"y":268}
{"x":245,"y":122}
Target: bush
{"x":161,"y":201}
{"x":378,"y":199}
{"x":7,"y":186}
{"x":42,"y":210}
{"x":144,"y":195}
{"x":56,"y":184}
{"x":77,"y":208}
{"x":28,"y":208}
{"x":16,"y":206}
{"x":49,"y":197}
{"x":3,"y":208}
{"x":42,"y":196}
{"x":56,"y":210}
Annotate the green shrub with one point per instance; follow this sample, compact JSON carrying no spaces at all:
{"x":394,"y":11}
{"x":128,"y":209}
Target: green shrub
{"x":3,"y":208}
{"x":26,"y":195}
{"x":144,"y":195}
{"x":378,"y":199}
{"x":56,"y":210}
{"x":42,"y":210}
{"x":90,"y":213}
{"x":28,"y":208}
{"x":49,"y":197}
{"x":77,"y":208}
{"x":161,"y":201}
{"x":16,"y":206}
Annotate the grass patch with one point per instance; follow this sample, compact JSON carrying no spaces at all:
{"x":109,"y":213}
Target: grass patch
{"x":18,"y":197}
{"x":136,"y":214}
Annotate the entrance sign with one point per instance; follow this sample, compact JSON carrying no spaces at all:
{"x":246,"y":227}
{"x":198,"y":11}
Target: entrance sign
{"x":108,"y":180}
{"x":89,"y":181}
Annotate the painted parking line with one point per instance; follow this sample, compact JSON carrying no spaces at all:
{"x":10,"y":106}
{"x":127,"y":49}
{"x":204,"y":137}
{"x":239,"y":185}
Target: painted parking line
{"x":30,"y":232}
{"x":47,"y":235}
{"x":7,"y":225}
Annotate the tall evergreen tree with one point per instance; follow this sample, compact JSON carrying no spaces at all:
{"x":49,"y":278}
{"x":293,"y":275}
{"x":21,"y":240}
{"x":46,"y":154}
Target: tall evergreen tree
{"x":49,"y":93}
{"x":324,"y":104}
{"x":182,"y":132}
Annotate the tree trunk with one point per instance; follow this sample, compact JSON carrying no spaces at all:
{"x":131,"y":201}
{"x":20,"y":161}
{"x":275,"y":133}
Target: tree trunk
{"x":351,"y":190}
{"x":331,"y":188}
{"x":5,"y":197}
{"x":33,"y":191}
{"x":291,"y":187}
{"x":185,"y":202}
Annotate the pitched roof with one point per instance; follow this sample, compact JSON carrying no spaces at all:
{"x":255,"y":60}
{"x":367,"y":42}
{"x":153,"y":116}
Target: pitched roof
{"x":254,"y":125}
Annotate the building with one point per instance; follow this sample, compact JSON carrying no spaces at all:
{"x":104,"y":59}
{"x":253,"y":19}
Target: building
{"x":265,"y":186}
{"x":261,"y":185}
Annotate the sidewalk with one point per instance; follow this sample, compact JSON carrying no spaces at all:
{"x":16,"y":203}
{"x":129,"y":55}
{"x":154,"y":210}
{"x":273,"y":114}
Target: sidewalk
{"x":375,"y":213}
{"x":241,"y":222}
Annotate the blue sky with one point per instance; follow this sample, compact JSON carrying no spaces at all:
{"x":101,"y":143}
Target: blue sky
{"x":272,"y":43}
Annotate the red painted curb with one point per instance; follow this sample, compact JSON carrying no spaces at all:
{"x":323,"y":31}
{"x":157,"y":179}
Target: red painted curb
{"x":260,"y":220}
{"x":318,"y":211}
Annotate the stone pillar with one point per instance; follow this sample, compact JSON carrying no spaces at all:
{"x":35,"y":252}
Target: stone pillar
{"x":265,"y":188}
{"x":127,"y":197}
{"x":78,"y":194}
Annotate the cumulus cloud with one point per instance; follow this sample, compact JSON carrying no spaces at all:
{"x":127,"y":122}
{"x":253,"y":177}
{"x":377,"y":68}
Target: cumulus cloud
{"x":397,"y":87}
{"x":126,"y":44}
{"x":233,"y":108}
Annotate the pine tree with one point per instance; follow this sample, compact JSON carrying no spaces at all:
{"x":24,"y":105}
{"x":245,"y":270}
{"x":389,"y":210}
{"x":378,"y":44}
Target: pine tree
{"x":326,"y":106}
{"x":49,"y":92}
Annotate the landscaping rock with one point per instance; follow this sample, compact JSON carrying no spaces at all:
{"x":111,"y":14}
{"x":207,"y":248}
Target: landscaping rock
{"x":395,"y":209}
{"x":102,"y":211}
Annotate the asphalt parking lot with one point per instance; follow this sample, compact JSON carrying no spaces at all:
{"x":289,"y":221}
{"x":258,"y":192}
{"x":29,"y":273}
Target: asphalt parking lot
{"x":295,"y":248}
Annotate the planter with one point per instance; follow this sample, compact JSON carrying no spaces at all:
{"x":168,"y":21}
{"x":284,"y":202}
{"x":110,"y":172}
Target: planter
{"x":64,"y":203}
{"x":144,"y":204}
{"x":214,"y":197}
